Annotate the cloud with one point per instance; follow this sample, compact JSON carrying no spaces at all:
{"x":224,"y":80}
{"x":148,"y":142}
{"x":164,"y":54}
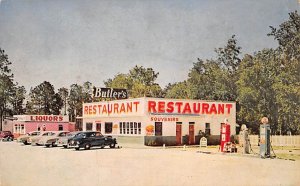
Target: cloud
{"x":66,"y":42}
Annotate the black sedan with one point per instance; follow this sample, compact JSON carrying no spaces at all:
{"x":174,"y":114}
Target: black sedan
{"x":87,"y":140}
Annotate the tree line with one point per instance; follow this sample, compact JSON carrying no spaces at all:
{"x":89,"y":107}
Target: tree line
{"x":266,"y":83}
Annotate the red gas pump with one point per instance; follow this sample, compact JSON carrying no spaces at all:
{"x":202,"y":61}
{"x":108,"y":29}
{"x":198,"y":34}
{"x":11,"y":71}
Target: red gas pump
{"x":225,"y":134}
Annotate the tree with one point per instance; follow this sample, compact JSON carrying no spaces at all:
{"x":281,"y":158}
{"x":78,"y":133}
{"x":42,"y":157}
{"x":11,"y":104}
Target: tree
{"x":6,"y":84}
{"x":78,"y":95}
{"x":229,"y":55}
{"x":64,"y":93}
{"x":179,"y":90}
{"x":146,"y":76}
{"x":119,"y":81}
{"x":139,"y":82}
{"x":256,"y":96}
{"x":204,"y":79}
{"x":287,"y":81}
{"x":17,"y":99}
{"x":269,"y":81}
{"x":44,"y":100}
{"x":288,"y":37}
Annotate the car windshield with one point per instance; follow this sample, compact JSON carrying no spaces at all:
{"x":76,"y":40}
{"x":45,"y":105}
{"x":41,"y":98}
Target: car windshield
{"x":63,"y":134}
{"x":34,"y":134}
{"x":48,"y":134}
{"x":81,"y":135}
{"x":72,"y":134}
{"x":84,"y":135}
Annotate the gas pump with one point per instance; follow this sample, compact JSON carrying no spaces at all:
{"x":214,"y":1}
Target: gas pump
{"x":264,"y":142}
{"x":244,"y":139}
{"x":225,"y":134}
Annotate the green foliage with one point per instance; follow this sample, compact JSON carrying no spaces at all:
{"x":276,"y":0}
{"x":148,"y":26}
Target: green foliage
{"x":266,"y":83}
{"x":229,"y":55}
{"x":44,"y":100}
{"x":6,"y":85}
{"x":179,"y":90}
{"x":269,"y":83}
{"x":64,"y":93}
{"x":119,"y":81}
{"x":255,"y":93}
{"x":215,"y":79}
{"x":17,"y":99}
{"x":207,"y":81}
{"x":78,"y":95}
{"x":139,"y":82}
{"x":288,"y":37}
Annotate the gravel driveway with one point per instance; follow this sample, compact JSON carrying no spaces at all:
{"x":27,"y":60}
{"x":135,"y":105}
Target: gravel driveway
{"x":22,"y":165}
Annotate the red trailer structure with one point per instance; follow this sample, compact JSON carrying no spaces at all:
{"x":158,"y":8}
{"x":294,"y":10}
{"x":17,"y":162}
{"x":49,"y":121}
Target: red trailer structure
{"x":27,"y":123}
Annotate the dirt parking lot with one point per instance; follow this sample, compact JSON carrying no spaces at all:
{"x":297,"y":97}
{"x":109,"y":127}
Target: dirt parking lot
{"x":34,"y":165}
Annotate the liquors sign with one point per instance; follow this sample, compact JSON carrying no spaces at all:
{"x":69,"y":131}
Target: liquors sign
{"x":110,"y":93}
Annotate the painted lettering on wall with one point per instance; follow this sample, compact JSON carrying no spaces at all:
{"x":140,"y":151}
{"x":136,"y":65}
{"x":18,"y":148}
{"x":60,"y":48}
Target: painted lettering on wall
{"x":162,"y":119}
{"x":46,"y":118}
{"x":180,"y":107}
{"x":111,"y":108}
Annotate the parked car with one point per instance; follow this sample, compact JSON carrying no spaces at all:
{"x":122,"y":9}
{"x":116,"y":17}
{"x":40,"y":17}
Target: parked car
{"x":6,"y":136}
{"x":24,"y":138}
{"x":87,"y":140}
{"x":52,"y":138}
{"x":63,"y":141}
{"x":35,"y":139}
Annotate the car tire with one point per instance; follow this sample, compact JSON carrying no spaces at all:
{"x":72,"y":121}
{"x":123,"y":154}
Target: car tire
{"x":112,"y":145}
{"x":87,"y":146}
{"x":25,"y":143}
{"x":77,"y":148}
{"x":65,"y":146}
{"x":53,"y":144}
{"x":47,"y":145}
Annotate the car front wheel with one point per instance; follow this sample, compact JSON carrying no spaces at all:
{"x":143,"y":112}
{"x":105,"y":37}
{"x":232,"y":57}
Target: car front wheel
{"x":77,"y":148}
{"x":87,"y":146}
{"x":112,"y":145}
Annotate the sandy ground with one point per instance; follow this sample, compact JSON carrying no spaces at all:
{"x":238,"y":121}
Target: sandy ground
{"x":34,"y":165}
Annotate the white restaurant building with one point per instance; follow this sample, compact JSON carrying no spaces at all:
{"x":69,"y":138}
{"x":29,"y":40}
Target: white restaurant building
{"x":157,"y":121}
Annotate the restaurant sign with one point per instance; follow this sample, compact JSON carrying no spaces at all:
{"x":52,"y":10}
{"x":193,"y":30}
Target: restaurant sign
{"x":110,"y":93}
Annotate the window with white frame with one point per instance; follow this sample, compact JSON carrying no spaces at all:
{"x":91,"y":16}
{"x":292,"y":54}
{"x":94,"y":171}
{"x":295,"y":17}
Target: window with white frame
{"x":132,"y":128}
{"x":19,"y":129}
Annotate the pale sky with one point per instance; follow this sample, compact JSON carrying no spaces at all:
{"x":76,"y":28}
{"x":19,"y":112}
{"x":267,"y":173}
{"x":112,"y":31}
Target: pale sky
{"x":73,"y":41}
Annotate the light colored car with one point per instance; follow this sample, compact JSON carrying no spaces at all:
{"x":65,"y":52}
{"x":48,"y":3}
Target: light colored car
{"x":24,"y":138}
{"x":35,"y":139}
{"x":63,"y":141}
{"x":52,"y":138}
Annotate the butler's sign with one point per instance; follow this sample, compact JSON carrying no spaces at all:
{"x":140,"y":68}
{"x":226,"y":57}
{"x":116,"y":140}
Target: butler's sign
{"x":110,"y":93}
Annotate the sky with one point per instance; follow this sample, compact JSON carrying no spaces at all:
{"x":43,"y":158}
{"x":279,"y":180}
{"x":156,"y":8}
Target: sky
{"x":74,"y":41}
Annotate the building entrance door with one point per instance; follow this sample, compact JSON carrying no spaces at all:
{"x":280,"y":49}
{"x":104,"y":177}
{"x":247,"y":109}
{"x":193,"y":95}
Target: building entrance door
{"x":178,"y":133}
{"x":98,"y":127}
{"x":191,"y":134}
